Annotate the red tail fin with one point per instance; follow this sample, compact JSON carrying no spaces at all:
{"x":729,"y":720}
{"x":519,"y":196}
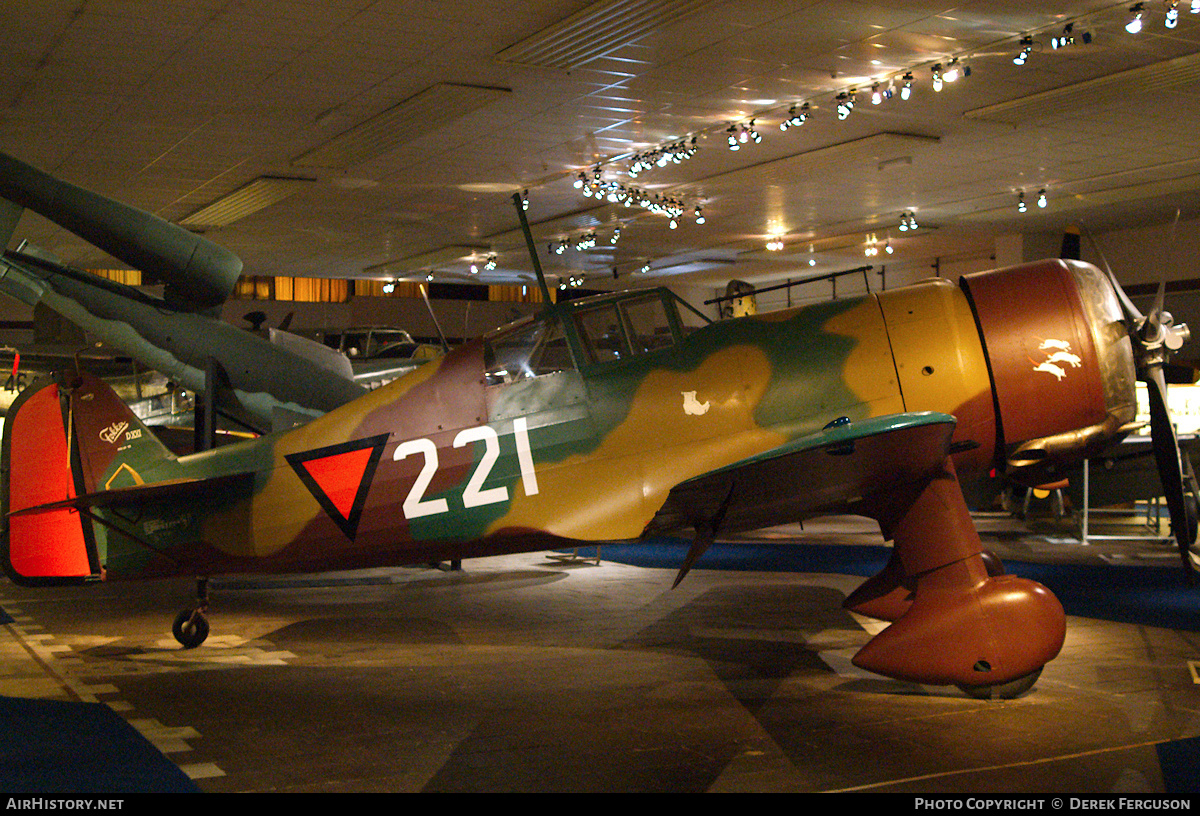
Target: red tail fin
{"x":36,"y":468}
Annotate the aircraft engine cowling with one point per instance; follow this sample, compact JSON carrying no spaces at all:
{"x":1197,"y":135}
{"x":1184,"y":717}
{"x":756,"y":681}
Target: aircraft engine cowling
{"x":1060,"y":361}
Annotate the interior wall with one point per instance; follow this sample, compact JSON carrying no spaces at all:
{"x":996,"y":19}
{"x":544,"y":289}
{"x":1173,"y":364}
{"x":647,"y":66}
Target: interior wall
{"x":1145,"y":254}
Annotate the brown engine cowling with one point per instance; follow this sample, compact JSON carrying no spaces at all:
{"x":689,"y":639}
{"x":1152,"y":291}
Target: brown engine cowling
{"x":1060,"y":362}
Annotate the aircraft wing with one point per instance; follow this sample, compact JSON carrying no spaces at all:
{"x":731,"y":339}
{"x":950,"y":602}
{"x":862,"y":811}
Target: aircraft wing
{"x":828,"y":472}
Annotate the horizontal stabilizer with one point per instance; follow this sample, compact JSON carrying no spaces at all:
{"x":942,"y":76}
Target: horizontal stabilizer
{"x":139,"y":495}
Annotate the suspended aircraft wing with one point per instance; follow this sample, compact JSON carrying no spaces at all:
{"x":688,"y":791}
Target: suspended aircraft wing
{"x":833,"y":470}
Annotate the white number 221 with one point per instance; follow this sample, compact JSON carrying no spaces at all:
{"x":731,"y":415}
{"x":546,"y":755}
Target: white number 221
{"x":416,"y":505}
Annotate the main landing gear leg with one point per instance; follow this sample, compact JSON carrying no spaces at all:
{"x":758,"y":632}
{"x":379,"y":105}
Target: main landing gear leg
{"x":191,"y":625}
{"x":953,"y":622}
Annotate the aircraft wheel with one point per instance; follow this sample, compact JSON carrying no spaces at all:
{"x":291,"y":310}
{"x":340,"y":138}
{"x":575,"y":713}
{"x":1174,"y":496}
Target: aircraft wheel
{"x":190,"y":628}
{"x":1004,"y":691}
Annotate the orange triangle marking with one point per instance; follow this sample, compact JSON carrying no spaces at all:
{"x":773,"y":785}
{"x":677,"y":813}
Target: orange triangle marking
{"x":340,"y":476}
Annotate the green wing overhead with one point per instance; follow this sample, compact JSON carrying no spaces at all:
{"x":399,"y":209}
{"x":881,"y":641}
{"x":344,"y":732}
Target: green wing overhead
{"x":828,"y":472}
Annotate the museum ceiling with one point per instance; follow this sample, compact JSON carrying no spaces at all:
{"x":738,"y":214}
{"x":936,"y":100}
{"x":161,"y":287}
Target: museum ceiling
{"x":373,"y":139}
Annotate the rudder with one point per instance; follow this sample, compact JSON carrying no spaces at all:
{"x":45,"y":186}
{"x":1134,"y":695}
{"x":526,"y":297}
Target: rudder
{"x":65,"y":438}
{"x":54,"y":546}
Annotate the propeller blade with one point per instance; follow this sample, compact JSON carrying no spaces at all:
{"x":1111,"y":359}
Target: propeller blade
{"x":1170,"y":469}
{"x":1160,"y":297}
{"x":1133,"y":316}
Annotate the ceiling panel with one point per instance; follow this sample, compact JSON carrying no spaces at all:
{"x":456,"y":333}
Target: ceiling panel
{"x":173,"y":106}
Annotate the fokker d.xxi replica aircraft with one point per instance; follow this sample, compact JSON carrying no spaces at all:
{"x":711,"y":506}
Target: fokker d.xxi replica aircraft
{"x":604,"y":419}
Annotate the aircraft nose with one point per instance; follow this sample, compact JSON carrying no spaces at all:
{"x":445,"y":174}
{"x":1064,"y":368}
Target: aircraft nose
{"x":1060,"y":360}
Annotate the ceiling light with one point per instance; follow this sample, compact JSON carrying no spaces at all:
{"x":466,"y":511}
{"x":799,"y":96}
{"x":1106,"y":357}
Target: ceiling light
{"x":490,"y":264}
{"x":1172,"y":15}
{"x":906,"y":90}
{"x":1021,"y":202}
{"x":1195,"y":6}
{"x":845,"y":104}
{"x":951,"y":73}
{"x":699,"y":215}
{"x":389,"y":287}
{"x":1135,"y":24}
{"x":1066,"y":38}
{"x":1026,"y":49}
{"x":937,"y":76}
{"x":1041,"y":201}
{"x":662,"y":156}
{"x":876,"y":94}
{"x":733,"y":140}
{"x":797,"y":116}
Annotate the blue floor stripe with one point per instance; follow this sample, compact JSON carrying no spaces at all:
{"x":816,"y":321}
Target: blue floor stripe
{"x":1180,"y":763}
{"x":49,"y":746}
{"x":1150,"y":596}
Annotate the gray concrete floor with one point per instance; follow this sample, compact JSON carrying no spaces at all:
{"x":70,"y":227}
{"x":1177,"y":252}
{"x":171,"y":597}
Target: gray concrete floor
{"x":524,"y":673}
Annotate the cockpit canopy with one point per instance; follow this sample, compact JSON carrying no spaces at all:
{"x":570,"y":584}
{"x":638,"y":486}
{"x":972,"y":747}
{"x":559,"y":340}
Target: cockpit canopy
{"x":597,"y":331}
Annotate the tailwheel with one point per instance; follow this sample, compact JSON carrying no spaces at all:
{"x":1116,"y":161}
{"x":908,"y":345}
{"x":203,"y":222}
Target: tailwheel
{"x":190,"y":628}
{"x":1004,"y":691}
{"x":191,"y":625}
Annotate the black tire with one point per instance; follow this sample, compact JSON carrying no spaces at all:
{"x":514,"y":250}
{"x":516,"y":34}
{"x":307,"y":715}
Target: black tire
{"x":992,"y":563}
{"x":190,"y":628}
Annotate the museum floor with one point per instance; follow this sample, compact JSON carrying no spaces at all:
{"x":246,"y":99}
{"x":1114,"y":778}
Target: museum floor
{"x":532,"y":673}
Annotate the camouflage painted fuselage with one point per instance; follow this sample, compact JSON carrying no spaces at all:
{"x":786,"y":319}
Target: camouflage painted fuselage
{"x":450,"y":461}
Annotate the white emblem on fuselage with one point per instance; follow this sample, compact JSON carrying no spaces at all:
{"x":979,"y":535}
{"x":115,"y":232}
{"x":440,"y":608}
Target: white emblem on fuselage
{"x":113,"y":431}
{"x":1058,"y":358}
{"x":692,"y":406}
